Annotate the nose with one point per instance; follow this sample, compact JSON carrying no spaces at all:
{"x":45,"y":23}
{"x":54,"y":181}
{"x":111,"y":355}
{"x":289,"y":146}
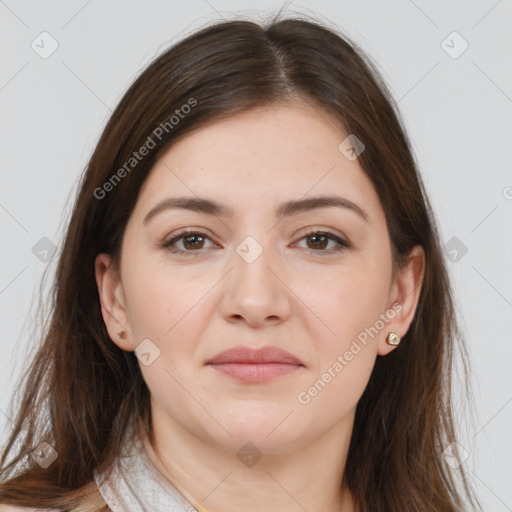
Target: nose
{"x":256,"y":291}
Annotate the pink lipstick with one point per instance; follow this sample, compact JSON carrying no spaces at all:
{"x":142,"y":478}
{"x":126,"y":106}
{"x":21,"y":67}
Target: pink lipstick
{"x":255,"y":366}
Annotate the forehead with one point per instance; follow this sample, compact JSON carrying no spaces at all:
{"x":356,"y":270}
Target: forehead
{"x":266,"y":154}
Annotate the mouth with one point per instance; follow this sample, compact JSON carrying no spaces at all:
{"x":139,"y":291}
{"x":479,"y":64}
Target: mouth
{"x":256,"y":373}
{"x":255,"y":366}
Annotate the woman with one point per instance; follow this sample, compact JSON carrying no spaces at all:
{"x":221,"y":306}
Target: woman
{"x":251,"y":309}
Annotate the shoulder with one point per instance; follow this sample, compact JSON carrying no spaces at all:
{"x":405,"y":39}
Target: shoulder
{"x":14,"y":508}
{"x":97,"y":506}
{"x":93,"y":502}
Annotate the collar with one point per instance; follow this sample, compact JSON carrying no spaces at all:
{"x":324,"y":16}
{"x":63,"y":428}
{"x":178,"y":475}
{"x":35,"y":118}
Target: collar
{"x":135,"y":484}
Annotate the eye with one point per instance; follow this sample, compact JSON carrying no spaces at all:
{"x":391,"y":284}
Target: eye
{"x":193,"y":242}
{"x":319,"y":240}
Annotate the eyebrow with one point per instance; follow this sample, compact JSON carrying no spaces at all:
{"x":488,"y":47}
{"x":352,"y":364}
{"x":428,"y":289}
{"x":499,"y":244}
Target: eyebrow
{"x":287,"y":209}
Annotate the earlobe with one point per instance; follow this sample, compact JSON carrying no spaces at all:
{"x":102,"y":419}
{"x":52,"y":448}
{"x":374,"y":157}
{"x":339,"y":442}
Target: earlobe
{"x":112,"y":302}
{"x":405,"y":292}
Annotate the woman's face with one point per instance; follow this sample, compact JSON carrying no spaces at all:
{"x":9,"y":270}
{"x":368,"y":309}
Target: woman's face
{"x":265,"y":267}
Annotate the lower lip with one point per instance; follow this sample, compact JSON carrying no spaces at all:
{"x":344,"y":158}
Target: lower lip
{"x":256,"y":373}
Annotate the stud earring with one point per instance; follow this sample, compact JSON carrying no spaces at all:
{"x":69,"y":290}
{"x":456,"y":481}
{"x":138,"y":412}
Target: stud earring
{"x":392,"y":338}
{"x":122,"y":335}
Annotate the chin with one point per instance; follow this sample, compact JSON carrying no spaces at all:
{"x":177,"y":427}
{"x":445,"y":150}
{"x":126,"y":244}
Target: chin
{"x":260,"y":426}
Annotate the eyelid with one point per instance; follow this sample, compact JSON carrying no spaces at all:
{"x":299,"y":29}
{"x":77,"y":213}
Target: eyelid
{"x":328,"y":231}
{"x":189,"y":230}
{"x":341,"y":241}
{"x":175,"y":236}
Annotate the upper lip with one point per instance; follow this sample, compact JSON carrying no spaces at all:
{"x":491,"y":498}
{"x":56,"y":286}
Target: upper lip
{"x":250,"y":356}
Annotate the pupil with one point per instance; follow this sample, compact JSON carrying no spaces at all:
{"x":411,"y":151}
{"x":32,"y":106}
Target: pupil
{"x":186,"y":239}
{"x":316,"y":237}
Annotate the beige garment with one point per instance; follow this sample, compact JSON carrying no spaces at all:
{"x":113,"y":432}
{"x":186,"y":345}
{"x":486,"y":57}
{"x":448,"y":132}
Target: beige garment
{"x":136,"y":484}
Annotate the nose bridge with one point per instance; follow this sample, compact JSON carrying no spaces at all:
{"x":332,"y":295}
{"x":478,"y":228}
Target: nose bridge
{"x":251,"y":262}
{"x":254,"y":291}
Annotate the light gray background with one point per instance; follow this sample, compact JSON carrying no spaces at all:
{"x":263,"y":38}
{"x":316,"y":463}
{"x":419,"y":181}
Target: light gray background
{"x":458,"y":112}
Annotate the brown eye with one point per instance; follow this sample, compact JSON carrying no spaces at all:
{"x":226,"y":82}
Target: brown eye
{"x":317,"y":242}
{"x":192,"y":242}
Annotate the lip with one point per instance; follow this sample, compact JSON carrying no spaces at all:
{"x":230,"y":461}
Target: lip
{"x":255,"y":366}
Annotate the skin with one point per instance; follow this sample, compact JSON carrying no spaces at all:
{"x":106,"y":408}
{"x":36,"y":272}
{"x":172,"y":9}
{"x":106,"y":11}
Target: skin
{"x":308,"y":302}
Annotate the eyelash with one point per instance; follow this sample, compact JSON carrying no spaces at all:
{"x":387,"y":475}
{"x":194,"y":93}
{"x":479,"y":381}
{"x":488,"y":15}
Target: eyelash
{"x":342,"y":244}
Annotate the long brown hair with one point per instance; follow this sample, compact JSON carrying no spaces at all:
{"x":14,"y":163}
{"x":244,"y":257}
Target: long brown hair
{"x":81,"y":389}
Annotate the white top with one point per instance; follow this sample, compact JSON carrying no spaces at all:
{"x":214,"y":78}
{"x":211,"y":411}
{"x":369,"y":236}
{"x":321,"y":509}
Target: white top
{"x":137,"y":485}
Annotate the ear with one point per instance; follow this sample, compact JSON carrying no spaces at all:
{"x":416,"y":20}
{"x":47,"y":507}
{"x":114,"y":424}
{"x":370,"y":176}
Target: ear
{"x":112,"y":301}
{"x":404,"y":295}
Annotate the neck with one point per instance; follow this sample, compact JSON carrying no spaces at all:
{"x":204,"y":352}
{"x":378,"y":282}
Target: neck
{"x":213,"y":478}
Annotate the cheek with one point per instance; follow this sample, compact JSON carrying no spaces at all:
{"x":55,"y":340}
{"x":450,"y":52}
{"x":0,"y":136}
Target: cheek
{"x":346,"y":303}
{"x":345,"y":352}
{"x":162,"y":300}
{"x":165,"y":308}
{"x":349,"y":306}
